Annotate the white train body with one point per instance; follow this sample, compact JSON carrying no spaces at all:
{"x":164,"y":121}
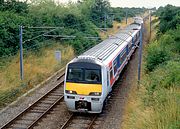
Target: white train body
{"x":90,"y":77}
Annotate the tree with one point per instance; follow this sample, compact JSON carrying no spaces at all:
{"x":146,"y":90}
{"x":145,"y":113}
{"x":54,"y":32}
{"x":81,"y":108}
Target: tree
{"x":169,"y":17}
{"x":13,"y":5}
{"x":99,"y":10}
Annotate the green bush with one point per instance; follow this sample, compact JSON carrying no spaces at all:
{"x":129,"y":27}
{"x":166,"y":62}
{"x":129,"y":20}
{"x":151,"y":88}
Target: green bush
{"x":169,"y":17}
{"x":163,"y":78}
{"x":166,"y":76}
{"x":81,"y":43}
{"x":9,"y":32}
{"x":156,"y":55}
{"x":175,"y":36}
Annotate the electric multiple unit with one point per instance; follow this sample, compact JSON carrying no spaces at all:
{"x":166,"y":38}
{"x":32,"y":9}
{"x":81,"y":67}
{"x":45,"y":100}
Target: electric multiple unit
{"x":90,"y":77}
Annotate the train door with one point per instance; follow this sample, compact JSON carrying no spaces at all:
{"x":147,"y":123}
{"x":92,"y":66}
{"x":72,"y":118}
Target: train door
{"x":108,"y":82}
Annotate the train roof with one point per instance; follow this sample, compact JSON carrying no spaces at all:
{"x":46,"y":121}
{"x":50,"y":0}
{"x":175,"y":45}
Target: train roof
{"x":104,"y":49}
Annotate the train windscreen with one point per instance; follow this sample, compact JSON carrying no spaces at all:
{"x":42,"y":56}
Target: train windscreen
{"x":75,"y":74}
{"x":83,"y":75}
{"x":92,"y":75}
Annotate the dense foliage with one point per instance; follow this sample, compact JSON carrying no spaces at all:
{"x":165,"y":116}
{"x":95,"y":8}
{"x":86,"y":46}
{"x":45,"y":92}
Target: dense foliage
{"x":169,"y":18}
{"x":163,"y":67}
{"x":78,"y":20}
{"x":39,"y":13}
{"x":167,"y":47}
{"x":13,"y":5}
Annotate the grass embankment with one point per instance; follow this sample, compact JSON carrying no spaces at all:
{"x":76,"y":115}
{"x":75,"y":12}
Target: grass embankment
{"x":155,"y":105}
{"x":37,"y":67}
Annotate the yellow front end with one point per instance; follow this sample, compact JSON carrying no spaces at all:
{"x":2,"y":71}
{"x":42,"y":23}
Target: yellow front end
{"x":84,"y":89}
{"x":82,"y":97}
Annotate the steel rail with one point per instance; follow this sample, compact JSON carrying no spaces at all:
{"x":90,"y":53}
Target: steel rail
{"x":41,"y":116}
{"x":92,"y":122}
{"x":67,"y":122}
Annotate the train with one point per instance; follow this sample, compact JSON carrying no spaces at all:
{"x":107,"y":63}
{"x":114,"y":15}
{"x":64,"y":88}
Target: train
{"x":89,"y":77}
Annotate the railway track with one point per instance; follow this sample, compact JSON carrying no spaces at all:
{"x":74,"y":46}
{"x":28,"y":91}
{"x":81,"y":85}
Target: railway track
{"x":28,"y":118}
{"x":78,"y":121}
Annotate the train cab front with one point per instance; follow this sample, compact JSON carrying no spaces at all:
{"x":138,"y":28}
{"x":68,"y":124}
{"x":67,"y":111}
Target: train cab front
{"x":83,"y":87}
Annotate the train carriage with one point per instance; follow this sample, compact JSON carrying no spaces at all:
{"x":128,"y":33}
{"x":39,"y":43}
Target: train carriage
{"x":90,"y":77}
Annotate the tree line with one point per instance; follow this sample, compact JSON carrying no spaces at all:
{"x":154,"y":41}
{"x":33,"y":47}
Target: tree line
{"x":78,"y":19}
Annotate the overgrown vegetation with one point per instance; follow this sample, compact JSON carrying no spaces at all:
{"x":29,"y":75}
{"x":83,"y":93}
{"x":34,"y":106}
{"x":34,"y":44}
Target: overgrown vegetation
{"x":163,"y":63}
{"x":157,"y":101}
{"x":169,"y":18}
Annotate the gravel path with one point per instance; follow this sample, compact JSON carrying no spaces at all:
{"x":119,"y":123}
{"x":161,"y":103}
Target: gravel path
{"x":15,"y":108}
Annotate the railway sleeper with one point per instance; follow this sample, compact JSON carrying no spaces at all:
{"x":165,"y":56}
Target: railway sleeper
{"x":30,"y":115}
{"x":45,"y":105}
{"x":48,"y":102}
{"x":37,"y":111}
{"x":55,"y":94}
{"x":18,"y":126}
{"x":53,"y":97}
{"x":39,"y":108}
{"x":81,"y":125}
{"x":24,"y":122}
{"x":27,"y":117}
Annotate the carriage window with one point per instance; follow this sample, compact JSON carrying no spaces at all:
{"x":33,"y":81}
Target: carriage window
{"x":123,"y":56}
{"x":115,"y":66}
{"x":134,"y":39}
{"x":92,"y":75}
{"x":75,"y":74}
{"x":111,"y":73}
{"x":130,"y":46}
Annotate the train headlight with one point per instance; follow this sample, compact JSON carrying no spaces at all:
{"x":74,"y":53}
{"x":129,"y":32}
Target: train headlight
{"x":95,"y":93}
{"x":71,"y":92}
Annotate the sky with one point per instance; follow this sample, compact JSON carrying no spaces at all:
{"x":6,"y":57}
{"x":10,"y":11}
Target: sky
{"x":139,"y":3}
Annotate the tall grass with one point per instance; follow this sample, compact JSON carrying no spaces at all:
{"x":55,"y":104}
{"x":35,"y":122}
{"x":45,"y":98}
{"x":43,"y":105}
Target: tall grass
{"x":167,"y":115}
{"x":155,"y":116}
{"x":37,"y":67}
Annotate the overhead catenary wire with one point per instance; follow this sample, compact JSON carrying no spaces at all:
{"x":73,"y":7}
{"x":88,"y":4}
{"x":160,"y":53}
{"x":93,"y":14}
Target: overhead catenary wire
{"x":54,"y":28}
{"x":39,"y":36}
